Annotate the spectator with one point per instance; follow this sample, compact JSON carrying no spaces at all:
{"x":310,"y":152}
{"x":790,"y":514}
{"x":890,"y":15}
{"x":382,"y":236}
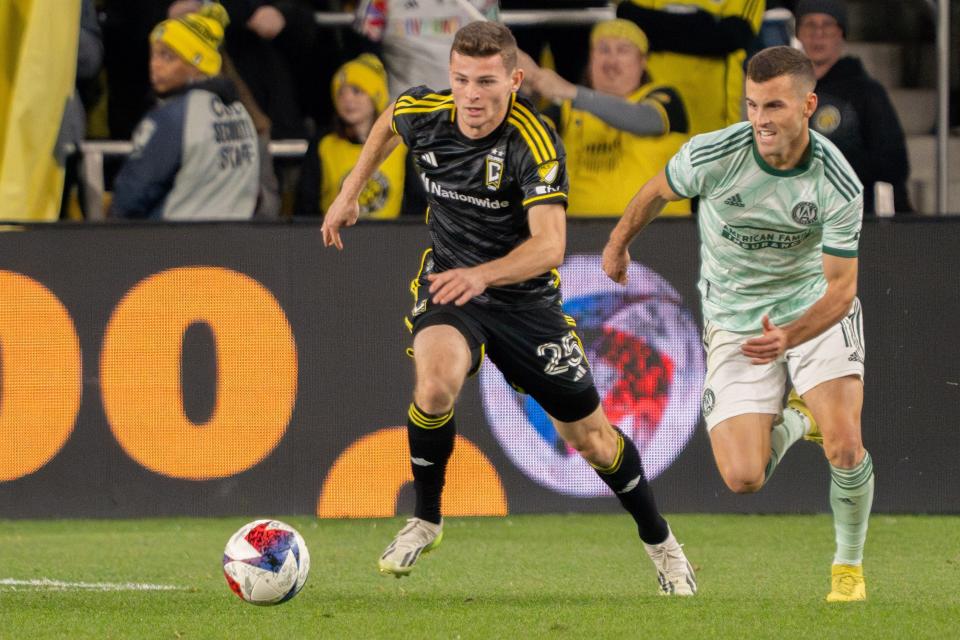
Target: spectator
{"x":195,"y":155}
{"x":699,"y":47}
{"x":854,"y":110}
{"x":359,"y":91}
{"x":268,"y":198}
{"x":620,"y":132}
{"x":250,"y":43}
{"x":415,"y":37}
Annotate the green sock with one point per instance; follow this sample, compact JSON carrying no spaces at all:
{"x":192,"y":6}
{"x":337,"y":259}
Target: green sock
{"x":787,"y":431}
{"x":851,"y":496}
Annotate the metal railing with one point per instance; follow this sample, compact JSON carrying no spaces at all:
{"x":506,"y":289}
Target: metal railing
{"x":943,"y":103}
{"x":542,"y":18}
{"x":93,"y":152}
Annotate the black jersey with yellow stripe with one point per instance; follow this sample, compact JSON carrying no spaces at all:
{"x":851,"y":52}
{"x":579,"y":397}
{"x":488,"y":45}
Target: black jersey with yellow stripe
{"x":479,"y":191}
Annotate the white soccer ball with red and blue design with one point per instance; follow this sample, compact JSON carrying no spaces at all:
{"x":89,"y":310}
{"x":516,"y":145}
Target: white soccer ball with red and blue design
{"x":266,"y":562}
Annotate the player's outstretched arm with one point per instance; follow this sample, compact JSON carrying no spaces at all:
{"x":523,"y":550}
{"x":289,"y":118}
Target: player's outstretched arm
{"x":641,"y":210}
{"x":537,"y":255}
{"x":345,"y":210}
{"x":841,"y":275}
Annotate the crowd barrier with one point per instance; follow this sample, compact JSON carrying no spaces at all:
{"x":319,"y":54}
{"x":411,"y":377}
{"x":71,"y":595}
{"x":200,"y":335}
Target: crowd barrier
{"x":511,"y":18}
{"x":205,"y":369}
{"x":93,"y":152}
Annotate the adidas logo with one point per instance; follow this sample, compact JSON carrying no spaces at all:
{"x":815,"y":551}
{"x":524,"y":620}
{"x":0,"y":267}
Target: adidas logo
{"x":734,"y":201}
{"x":431,"y":159}
{"x":630,"y":486}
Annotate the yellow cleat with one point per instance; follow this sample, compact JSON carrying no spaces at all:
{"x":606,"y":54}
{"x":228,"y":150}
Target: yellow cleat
{"x":795,"y":401}
{"x":847,"y":583}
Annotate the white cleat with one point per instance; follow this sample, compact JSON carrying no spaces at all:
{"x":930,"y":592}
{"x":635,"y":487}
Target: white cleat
{"x":419,"y":536}
{"x":674,"y":572}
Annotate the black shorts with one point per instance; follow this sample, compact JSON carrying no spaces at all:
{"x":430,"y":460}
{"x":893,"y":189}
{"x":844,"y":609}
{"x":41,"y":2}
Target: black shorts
{"x":537,"y":350}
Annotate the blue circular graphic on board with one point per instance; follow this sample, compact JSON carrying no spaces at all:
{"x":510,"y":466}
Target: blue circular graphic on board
{"x":645,"y":353}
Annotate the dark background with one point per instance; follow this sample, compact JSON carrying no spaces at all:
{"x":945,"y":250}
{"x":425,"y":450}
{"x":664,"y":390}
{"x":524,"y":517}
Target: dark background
{"x":346,"y":312}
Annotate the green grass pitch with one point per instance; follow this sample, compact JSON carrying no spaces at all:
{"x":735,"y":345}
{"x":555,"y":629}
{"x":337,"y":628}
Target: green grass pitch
{"x":551,"y":576}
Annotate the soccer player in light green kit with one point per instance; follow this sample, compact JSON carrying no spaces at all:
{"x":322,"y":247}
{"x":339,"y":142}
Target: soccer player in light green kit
{"x":780,"y":214}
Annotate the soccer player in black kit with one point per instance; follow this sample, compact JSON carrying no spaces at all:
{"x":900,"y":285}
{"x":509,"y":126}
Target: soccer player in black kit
{"x":496,"y":185}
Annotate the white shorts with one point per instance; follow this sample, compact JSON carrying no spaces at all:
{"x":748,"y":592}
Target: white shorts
{"x":734,"y":386}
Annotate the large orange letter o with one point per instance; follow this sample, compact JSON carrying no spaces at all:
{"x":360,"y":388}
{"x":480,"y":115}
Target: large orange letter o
{"x":141,"y":379}
{"x":39,"y":375}
{"x":365,"y":480}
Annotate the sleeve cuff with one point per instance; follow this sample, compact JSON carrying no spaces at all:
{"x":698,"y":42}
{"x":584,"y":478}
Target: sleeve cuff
{"x":840,"y":253}
{"x":666,"y":171}
{"x":550,"y":198}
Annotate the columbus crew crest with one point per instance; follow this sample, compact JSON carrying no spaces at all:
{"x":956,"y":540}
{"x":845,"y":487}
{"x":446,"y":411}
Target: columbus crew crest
{"x":374,"y":194}
{"x":493,"y":171}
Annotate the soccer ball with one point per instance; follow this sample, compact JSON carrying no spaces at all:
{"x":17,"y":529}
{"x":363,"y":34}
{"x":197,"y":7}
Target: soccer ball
{"x":266,"y":562}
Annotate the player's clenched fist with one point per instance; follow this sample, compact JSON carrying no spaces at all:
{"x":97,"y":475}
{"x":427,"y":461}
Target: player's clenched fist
{"x":615,"y":262}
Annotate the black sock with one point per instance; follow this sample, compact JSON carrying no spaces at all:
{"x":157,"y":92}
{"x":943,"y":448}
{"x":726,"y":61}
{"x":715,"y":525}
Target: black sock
{"x":625,"y":477}
{"x":431,"y":443}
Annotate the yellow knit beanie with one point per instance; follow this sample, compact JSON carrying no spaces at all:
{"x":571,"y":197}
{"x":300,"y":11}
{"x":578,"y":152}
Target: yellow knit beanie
{"x":620,"y":28}
{"x":365,"y":72}
{"x":196,"y":37}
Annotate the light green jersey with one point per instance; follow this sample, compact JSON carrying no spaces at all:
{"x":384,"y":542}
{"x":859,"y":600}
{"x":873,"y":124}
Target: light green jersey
{"x":763,"y":231}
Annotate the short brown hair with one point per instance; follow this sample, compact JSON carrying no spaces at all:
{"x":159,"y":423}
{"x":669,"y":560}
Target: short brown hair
{"x":484,"y":39}
{"x":781,"y":61}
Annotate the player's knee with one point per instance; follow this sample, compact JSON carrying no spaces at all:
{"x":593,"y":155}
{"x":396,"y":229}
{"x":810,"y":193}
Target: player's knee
{"x":435,"y":396}
{"x":844,"y":452}
{"x":743,"y":480}
{"x":744,"y":485}
{"x":595,"y":446}
{"x":581,"y":441}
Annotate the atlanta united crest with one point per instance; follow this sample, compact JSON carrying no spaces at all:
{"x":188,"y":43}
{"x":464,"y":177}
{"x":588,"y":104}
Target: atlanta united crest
{"x":804,"y":213}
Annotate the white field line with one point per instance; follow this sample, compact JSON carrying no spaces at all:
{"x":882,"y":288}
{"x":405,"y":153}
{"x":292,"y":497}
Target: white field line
{"x":12,"y":584}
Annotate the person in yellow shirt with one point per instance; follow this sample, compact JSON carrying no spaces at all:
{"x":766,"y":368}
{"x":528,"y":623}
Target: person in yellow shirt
{"x":360,"y":94}
{"x":619,"y":131}
{"x":699,"y":47}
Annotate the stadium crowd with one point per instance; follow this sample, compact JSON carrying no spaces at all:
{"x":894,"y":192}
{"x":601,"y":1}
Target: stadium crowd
{"x":624,"y":94}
